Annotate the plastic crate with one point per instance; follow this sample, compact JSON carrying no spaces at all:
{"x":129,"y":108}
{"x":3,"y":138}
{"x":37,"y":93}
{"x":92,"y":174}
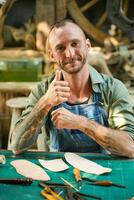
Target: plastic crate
{"x":19,"y":70}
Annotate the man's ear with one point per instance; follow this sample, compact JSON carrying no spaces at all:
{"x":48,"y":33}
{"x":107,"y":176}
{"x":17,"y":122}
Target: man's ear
{"x":49,"y":51}
{"x":88,"y":44}
{"x":50,"y":55}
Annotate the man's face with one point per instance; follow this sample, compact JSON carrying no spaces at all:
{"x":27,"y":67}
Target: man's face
{"x":69,"y":47}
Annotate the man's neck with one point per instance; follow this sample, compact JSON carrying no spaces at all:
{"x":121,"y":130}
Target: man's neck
{"x":80,"y":86}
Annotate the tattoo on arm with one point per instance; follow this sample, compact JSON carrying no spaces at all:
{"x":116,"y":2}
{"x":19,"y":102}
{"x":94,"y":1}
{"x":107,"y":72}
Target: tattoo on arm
{"x":38,"y":117}
{"x":116,"y":141}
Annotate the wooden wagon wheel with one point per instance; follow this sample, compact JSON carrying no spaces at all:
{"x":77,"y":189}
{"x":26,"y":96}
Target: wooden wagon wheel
{"x":4,"y":9}
{"x":80,"y":11}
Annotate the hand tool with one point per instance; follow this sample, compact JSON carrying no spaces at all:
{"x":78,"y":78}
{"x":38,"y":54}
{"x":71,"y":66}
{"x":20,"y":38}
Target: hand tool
{"x":60,"y":186}
{"x":77,"y":196}
{"x":88,"y":195}
{"x":48,"y":191}
{"x":72,"y":186}
{"x":17,"y":181}
{"x":44,"y":183}
{"x":47,"y":196}
{"x":77,"y":175}
{"x":107,"y":183}
{"x":102,"y":182}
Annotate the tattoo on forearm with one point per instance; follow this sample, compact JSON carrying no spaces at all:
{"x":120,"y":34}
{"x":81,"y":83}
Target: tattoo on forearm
{"x":111,"y":143}
{"x":90,"y":130}
{"x":29,"y":125}
{"x":37,"y":119}
{"x":106,"y":137}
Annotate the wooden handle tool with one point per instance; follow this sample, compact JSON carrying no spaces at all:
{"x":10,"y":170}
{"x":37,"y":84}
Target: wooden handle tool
{"x":17,"y":181}
{"x":77,"y":175}
{"x":107,"y":183}
{"x":48,"y":193}
{"x":102,"y":182}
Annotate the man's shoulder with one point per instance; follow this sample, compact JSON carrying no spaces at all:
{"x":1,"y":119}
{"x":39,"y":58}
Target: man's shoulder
{"x":112,"y":82}
{"x":104,"y":81}
{"x":46,"y":80}
{"x":108,"y":86}
{"x":42,"y":86}
{"x":113,"y":90}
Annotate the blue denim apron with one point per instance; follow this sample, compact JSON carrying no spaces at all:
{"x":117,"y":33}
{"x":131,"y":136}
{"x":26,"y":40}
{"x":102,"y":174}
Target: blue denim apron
{"x":75,"y":140}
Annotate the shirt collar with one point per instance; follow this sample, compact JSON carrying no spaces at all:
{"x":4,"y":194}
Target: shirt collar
{"x":96,"y":79}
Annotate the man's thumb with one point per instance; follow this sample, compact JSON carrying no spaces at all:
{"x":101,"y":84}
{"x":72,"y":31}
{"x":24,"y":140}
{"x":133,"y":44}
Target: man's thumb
{"x":58,"y":75}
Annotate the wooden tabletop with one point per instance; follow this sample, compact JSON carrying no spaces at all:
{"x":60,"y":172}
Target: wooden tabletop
{"x":17,"y":86}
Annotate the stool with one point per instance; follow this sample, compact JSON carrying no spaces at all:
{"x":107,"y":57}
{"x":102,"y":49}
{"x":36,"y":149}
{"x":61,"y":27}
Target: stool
{"x":17,"y":104}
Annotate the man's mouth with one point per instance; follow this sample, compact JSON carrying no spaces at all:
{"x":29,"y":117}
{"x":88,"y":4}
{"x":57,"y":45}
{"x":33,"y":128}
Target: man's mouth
{"x":72,"y":61}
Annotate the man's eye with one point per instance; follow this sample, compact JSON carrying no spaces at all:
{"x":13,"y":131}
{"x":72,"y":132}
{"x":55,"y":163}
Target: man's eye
{"x":75,"y":44}
{"x":60,"y":49}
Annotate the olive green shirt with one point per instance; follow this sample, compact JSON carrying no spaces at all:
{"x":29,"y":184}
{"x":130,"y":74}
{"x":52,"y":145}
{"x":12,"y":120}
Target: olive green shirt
{"x":113,"y":95}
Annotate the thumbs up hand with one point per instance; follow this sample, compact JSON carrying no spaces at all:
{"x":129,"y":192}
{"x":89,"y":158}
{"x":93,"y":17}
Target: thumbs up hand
{"x":58,"y":75}
{"x":58,"y":91}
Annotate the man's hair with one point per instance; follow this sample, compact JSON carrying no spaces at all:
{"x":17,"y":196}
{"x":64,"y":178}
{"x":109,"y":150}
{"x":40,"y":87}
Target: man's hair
{"x":61,"y":24}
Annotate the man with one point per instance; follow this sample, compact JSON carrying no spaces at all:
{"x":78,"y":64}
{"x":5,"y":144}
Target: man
{"x":84,"y":111}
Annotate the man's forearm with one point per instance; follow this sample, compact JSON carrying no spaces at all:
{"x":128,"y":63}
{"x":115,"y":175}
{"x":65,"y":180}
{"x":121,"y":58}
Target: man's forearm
{"x":116,"y":141}
{"x":25,"y":132}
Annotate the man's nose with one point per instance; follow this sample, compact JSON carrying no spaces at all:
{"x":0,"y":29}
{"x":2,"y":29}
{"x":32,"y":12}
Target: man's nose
{"x":69,"y":52}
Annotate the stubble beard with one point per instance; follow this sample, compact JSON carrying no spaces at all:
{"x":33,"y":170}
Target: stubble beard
{"x":75,"y":68}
